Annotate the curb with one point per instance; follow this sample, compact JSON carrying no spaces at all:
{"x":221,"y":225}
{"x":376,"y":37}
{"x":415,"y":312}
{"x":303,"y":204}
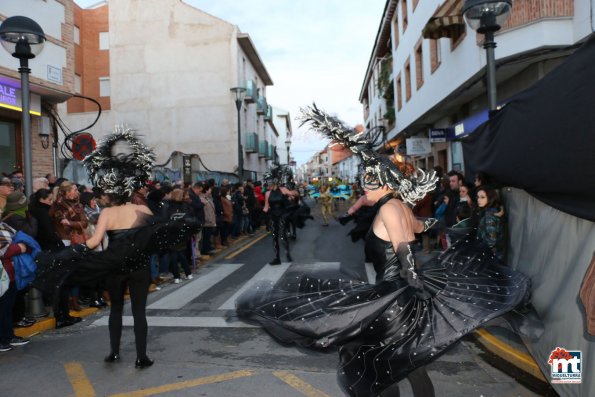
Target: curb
{"x":508,"y":353}
{"x":49,"y":323}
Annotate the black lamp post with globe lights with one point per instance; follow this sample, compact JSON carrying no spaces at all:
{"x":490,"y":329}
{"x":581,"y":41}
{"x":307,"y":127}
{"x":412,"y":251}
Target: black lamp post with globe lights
{"x":239,"y":93}
{"x":486,"y":17}
{"x":23,"y":38}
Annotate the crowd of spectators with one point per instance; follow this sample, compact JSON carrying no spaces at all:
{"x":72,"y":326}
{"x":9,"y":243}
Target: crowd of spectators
{"x":60,"y":213}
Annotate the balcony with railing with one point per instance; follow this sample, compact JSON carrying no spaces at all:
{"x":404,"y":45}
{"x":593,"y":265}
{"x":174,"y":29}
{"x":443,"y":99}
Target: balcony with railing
{"x":268,"y":116}
{"x":251,"y":91}
{"x":251,"y":142}
{"x":263,"y":148}
{"x":261,"y":105}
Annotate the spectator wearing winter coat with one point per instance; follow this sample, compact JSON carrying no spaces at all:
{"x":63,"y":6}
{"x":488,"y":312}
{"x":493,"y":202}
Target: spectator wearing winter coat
{"x":226,"y":227}
{"x":9,"y":250}
{"x":6,"y":187}
{"x":210,"y":223}
{"x":39,"y":208}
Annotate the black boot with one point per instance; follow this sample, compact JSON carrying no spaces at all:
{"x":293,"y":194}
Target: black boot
{"x":289,"y":259}
{"x":112,"y":358}
{"x":143,"y":362}
{"x":275,"y":261}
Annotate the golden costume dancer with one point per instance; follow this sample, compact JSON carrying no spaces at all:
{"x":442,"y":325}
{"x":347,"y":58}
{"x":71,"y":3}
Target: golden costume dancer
{"x":326,"y":204}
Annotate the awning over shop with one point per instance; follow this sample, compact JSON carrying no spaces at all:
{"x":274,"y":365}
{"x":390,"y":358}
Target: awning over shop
{"x":447,"y":21}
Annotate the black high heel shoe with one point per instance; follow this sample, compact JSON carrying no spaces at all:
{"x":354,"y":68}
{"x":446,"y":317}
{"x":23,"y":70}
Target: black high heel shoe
{"x":143,"y":362}
{"x":112,"y":358}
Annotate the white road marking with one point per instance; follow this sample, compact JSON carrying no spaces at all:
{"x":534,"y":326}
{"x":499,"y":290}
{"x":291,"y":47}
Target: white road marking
{"x":185,"y":322}
{"x":268,"y":272}
{"x":184,"y":295}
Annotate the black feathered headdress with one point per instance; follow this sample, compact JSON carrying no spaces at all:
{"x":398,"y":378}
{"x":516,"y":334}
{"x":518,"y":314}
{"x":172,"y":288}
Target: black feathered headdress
{"x":279,"y":174}
{"x":120,"y":173}
{"x":412,"y":188}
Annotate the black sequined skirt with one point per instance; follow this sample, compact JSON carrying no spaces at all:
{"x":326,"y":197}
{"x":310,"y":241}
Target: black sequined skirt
{"x":386,"y":330}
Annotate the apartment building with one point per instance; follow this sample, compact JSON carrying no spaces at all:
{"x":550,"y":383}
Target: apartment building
{"x":165,"y":69}
{"x":51,"y":83}
{"x":425,"y":76}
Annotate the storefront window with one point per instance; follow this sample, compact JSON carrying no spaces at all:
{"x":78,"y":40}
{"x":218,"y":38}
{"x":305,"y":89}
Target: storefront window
{"x":456,"y":149}
{"x":8,"y":151}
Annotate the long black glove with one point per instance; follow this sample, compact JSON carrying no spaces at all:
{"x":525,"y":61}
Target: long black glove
{"x":344,"y":219}
{"x":408,"y":272}
{"x":429,"y":223}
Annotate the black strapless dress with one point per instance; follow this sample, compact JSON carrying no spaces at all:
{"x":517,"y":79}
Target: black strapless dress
{"x":386,"y":330}
{"x":128,"y":250}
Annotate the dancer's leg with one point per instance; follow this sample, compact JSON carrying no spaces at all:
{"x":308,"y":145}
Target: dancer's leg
{"x":115,"y":287}
{"x":139,"y":288}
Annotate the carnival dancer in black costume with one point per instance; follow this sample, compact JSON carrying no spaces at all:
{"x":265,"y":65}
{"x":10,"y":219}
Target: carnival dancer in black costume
{"x":132,"y":234}
{"x":389,"y":330}
{"x":276,"y":206}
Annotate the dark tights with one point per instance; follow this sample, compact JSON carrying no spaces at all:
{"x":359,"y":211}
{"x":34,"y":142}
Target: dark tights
{"x":279,"y":230}
{"x":138,"y":284}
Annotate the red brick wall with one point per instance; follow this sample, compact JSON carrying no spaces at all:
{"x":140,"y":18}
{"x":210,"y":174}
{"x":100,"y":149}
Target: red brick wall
{"x":527,"y":11}
{"x":90,"y":62}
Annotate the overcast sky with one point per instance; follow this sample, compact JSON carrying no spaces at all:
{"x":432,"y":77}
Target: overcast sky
{"x":314,"y":50}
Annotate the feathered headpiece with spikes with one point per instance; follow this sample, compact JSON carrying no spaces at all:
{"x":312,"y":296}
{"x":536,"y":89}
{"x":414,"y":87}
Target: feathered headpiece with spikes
{"x":120,"y":173}
{"x":279,"y":174}
{"x":412,"y":188}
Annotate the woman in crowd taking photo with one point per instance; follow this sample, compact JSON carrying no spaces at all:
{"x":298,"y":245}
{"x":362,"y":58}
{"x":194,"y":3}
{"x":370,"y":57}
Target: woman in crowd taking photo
{"x":133,"y":237}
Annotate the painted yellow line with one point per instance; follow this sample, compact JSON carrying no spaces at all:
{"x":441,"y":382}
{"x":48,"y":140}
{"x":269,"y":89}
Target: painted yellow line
{"x":515,"y":357}
{"x":78,"y":379}
{"x":299,"y":385}
{"x":186,"y":384}
{"x":244,"y":248}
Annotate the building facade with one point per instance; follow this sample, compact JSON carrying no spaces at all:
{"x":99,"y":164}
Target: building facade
{"x":426,"y":71}
{"x":51,"y":82}
{"x":171,"y":83}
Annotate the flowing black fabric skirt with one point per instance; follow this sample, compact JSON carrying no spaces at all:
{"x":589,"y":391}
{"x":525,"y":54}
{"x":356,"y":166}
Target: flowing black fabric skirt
{"x":386,"y":330}
{"x":125,"y":254}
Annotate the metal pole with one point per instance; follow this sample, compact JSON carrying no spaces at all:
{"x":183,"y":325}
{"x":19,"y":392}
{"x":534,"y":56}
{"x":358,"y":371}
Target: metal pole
{"x":240,"y":149}
{"x":489,"y":45}
{"x":36,"y":306}
{"x":26,"y":120}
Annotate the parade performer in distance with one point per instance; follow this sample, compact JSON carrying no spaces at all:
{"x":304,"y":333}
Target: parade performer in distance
{"x":133,"y":237}
{"x":277,"y":206}
{"x":390,"y":330}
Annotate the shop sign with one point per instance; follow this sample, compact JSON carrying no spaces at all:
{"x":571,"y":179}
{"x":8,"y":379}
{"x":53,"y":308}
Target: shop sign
{"x":418,"y":146}
{"x":8,"y":95}
{"x":10,"y":98}
{"x":438,"y":134}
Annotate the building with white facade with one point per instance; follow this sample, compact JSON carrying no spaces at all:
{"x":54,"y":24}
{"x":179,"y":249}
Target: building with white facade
{"x":433,"y":65}
{"x":51,"y":82}
{"x":167,"y":71}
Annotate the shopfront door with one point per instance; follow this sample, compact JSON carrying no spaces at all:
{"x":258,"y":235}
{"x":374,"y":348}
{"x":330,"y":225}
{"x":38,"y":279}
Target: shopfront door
{"x":9,"y":158}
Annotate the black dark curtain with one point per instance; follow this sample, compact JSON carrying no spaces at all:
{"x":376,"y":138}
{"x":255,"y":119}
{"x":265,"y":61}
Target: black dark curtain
{"x":543,"y":140}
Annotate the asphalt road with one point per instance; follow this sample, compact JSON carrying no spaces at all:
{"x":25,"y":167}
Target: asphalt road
{"x":201,"y":349}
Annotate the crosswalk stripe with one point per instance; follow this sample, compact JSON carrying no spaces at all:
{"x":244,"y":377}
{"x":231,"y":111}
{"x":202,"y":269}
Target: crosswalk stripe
{"x":370,"y":273}
{"x":268,"y":272}
{"x":185,"y":322}
{"x":184,"y":295}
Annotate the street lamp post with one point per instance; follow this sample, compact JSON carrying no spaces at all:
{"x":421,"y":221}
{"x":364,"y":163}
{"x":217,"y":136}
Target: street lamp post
{"x":239,"y":92}
{"x":288,"y":146}
{"x":23,"y":38}
{"x":486,"y":17}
